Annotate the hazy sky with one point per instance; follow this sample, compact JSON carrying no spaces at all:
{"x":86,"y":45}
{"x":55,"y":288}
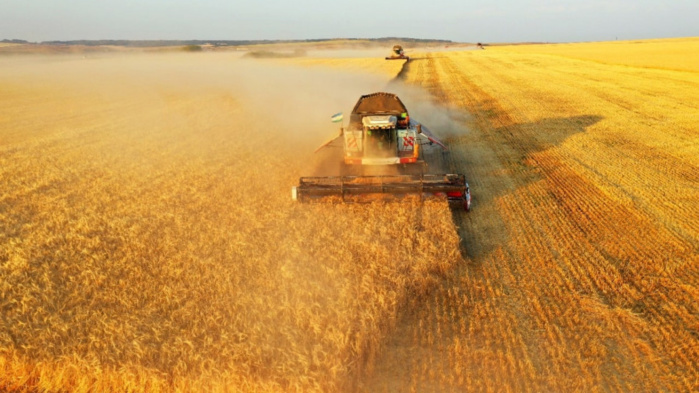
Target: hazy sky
{"x":464,"y":21}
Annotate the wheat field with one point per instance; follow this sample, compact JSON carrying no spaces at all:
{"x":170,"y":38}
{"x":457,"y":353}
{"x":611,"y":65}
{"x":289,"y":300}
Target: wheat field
{"x":148,"y":241}
{"x":582,"y":271}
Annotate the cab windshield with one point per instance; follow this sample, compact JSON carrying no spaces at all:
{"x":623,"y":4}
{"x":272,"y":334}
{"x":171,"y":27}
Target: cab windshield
{"x":380,"y":142}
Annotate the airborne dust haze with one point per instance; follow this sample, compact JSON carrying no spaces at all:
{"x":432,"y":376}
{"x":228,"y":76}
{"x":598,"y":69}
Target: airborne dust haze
{"x":293,"y":102}
{"x":157,"y":189}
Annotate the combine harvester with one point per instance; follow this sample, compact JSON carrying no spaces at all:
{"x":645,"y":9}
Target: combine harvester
{"x":383,"y":159}
{"x":398,"y":54}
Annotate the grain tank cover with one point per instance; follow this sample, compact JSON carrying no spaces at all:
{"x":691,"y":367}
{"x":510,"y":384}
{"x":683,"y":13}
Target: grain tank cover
{"x":379,"y":104}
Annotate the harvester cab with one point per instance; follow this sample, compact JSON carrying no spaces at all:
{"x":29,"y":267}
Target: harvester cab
{"x":380,"y":134}
{"x":382,"y":138}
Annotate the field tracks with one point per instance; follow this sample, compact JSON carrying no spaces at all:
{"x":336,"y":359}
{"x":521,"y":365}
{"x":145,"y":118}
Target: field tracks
{"x":580,"y":259}
{"x":142,"y":247}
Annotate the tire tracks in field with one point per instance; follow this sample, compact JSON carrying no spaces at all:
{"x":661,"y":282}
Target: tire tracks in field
{"x":582,"y":217}
{"x":493,"y":168}
{"x":501,"y":155}
{"x":517,"y":176}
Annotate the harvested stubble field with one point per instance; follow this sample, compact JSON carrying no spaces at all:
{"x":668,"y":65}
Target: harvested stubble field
{"x":581,"y":270}
{"x":148,"y":241}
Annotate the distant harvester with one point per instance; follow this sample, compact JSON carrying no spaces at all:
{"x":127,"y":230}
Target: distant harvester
{"x":397,"y":54}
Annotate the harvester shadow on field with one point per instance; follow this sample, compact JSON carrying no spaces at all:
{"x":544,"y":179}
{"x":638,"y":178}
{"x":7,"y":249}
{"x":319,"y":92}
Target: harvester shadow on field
{"x":497,"y":162}
{"x":408,"y":65}
{"x":495,"y":159}
{"x":402,"y":75}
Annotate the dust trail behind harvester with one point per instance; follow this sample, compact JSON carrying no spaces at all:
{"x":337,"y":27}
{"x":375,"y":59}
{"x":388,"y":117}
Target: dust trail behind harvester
{"x":148,"y":196}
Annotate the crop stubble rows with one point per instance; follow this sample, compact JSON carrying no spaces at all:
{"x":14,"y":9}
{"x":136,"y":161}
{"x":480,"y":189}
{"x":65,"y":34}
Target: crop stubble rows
{"x":582,"y":269}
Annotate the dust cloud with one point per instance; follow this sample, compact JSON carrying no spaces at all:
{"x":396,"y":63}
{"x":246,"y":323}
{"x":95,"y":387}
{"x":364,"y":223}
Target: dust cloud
{"x":441,"y":119}
{"x":292,"y":104}
{"x":177,"y":169}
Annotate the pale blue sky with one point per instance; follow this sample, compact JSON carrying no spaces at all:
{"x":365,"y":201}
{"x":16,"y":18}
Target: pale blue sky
{"x":463,"y":21}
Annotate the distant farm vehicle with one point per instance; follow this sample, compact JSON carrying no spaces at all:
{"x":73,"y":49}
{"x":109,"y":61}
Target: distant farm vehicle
{"x":398,"y":54}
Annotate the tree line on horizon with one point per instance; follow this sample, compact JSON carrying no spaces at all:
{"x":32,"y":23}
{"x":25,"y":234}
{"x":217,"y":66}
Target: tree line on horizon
{"x":148,"y":43}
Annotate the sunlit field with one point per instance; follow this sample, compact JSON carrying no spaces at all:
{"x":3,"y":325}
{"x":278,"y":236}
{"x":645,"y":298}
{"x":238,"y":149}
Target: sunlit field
{"x":681,"y":54}
{"x":148,"y":241}
{"x":582,"y":271}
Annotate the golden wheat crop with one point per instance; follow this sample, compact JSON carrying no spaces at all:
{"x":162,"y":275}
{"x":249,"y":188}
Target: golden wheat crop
{"x":680,"y":54}
{"x":583,"y":270}
{"x":148,"y":240}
